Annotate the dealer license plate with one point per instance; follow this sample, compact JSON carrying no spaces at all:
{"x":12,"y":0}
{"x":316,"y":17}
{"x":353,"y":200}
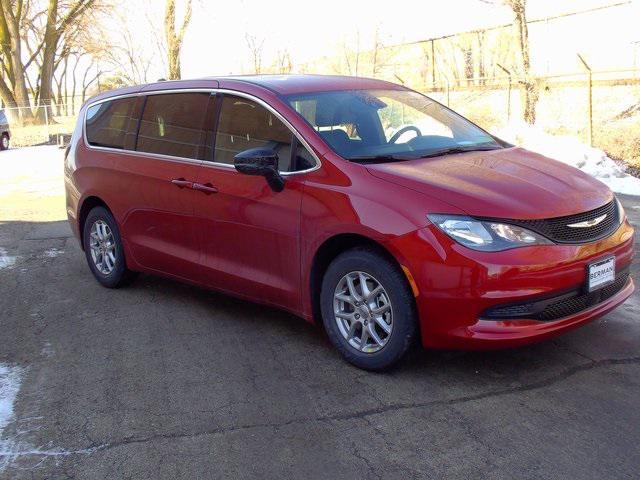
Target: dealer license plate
{"x":601,"y":273}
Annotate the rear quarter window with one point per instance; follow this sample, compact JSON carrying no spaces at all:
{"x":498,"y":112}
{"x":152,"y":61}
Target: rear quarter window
{"x":113,"y":123}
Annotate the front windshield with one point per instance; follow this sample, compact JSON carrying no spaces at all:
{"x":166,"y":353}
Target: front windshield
{"x":388,"y":125}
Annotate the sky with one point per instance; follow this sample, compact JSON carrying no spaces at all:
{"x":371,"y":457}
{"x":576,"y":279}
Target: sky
{"x":215,"y":42}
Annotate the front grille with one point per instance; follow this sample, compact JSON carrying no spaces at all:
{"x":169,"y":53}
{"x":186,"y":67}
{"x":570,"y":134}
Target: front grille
{"x":570,"y":306}
{"x":560,"y":306}
{"x":558,"y":230}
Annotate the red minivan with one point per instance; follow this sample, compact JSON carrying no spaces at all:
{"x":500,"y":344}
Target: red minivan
{"x":355,"y":203}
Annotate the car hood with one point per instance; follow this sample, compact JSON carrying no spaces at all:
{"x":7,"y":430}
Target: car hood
{"x":506,"y":183}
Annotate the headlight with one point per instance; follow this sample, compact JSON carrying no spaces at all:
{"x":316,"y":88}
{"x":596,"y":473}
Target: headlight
{"x":485,"y":235}
{"x":621,"y":214}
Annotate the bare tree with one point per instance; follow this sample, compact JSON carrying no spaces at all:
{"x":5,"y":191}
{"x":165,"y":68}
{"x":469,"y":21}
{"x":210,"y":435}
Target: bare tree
{"x":376,"y":53}
{"x":132,"y":62}
{"x":74,"y":81}
{"x":91,"y":75}
{"x":352,"y":57}
{"x":255,"y":46}
{"x":174,"y":37}
{"x":284,"y":64}
{"x":41,"y":28}
{"x":530,"y":86}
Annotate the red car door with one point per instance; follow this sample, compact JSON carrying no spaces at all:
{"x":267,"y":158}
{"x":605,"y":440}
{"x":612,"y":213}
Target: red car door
{"x":250,"y":233}
{"x":160,"y":227}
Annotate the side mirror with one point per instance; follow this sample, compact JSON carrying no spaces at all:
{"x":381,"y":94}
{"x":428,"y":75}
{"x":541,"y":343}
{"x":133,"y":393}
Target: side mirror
{"x":263,"y":162}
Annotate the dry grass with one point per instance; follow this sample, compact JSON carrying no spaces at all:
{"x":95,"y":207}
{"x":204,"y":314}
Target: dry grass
{"x":564,"y":111}
{"x":621,"y":141}
{"x":29,"y":135}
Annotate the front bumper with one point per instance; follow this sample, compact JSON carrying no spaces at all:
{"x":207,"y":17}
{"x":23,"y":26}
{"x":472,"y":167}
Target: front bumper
{"x":456,"y":286}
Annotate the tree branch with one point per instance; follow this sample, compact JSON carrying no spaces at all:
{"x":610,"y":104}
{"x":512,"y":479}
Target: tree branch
{"x":185,"y":22}
{"x":76,"y":10}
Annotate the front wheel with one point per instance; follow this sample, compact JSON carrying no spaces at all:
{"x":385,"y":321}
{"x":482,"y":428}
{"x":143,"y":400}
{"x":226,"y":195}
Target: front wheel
{"x":103,"y":249}
{"x":4,"y":142}
{"x":368,"y":309}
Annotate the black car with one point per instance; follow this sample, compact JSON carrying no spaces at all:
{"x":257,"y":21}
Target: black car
{"x":4,"y":131}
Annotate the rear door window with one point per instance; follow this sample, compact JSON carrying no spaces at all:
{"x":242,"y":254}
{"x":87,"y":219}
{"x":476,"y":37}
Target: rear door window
{"x":175,"y":124}
{"x":113,"y":123}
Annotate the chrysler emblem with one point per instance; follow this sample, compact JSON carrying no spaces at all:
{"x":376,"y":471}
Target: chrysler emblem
{"x":588,"y":223}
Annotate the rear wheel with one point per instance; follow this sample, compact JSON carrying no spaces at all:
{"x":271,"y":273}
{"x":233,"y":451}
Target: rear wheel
{"x":4,"y":142}
{"x":103,"y":249}
{"x":368,"y":309}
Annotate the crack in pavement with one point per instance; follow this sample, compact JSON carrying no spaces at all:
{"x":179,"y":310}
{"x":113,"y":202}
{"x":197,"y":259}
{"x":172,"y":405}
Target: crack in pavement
{"x":376,"y":410}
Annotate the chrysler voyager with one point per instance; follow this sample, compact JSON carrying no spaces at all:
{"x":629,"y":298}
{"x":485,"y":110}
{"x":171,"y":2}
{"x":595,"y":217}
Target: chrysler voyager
{"x":355,"y":203}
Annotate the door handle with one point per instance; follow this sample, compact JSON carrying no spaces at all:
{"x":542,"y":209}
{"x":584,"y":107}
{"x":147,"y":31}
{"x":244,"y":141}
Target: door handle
{"x":206,"y":188}
{"x":182,"y":183}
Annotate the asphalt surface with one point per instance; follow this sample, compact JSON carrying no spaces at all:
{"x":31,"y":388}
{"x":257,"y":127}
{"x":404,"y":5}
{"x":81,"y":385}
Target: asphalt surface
{"x":164,"y":380}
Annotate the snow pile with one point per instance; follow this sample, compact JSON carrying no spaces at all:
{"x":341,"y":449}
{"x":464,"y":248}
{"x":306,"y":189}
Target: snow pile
{"x":573,"y":152}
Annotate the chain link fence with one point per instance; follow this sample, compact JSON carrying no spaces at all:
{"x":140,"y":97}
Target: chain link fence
{"x":567,"y":105}
{"x":42,"y":125}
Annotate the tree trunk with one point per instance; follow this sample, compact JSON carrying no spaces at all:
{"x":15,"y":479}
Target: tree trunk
{"x":20,"y":92}
{"x":173,"y":38}
{"x":48,"y":59}
{"x":531,"y":92}
{"x":7,"y":96}
{"x":73,"y":85}
{"x":174,"y":62}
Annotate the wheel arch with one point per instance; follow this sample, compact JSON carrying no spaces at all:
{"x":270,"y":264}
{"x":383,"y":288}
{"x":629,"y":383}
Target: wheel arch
{"x":328,"y":251}
{"x":89,"y":204}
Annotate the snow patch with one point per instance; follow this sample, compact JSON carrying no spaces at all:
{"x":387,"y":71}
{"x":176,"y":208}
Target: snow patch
{"x":53,"y":252}
{"x":572,"y":151}
{"x":10,"y":378}
{"x":14,"y":452}
{"x":6,"y":260}
{"x":47,"y":350}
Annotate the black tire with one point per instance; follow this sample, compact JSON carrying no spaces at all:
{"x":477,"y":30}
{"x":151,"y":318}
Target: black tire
{"x":392,"y":279}
{"x":120,"y":275}
{"x":4,"y":142}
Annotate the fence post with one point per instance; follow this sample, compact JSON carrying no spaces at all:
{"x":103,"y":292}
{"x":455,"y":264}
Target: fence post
{"x":433,"y":64}
{"x":447,"y":86}
{"x":46,"y":121}
{"x":508,"y":92}
{"x":590,"y":127}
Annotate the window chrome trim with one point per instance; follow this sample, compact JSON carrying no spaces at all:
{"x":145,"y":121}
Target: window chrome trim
{"x":204,"y":163}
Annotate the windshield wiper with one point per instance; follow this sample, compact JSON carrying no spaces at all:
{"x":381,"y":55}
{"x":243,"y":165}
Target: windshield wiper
{"x":460,"y":149}
{"x":401,"y":158}
{"x":381,"y":158}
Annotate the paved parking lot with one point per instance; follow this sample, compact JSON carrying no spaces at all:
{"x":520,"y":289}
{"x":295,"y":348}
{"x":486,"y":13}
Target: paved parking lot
{"x":163,"y":380}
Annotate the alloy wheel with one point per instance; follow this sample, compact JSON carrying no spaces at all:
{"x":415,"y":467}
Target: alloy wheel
{"x":103,"y":247}
{"x":363,"y":312}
